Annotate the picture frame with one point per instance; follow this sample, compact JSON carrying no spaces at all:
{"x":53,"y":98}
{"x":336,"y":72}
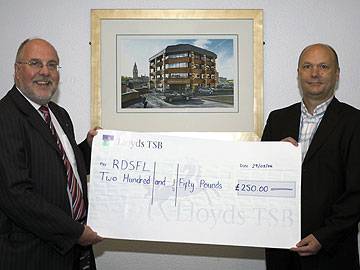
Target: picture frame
{"x":199,"y":86}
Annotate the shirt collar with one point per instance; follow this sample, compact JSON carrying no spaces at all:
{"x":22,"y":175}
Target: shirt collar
{"x":319,"y":109}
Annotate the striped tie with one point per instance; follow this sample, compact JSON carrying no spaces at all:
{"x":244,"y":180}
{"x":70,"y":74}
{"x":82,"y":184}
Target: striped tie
{"x":78,"y":206}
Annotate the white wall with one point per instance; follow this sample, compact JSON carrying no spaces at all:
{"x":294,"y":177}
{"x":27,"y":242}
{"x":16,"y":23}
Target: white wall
{"x":288,"y":27}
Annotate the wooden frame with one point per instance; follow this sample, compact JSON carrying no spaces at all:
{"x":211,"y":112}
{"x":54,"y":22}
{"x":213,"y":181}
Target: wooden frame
{"x":245,"y":122}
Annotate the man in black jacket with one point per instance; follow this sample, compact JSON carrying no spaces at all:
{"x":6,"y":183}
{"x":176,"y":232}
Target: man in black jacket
{"x":329,"y":134}
{"x":43,"y":192}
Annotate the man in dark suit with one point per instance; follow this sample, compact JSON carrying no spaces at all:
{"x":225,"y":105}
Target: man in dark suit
{"x":42,"y":220}
{"x":329,"y":134}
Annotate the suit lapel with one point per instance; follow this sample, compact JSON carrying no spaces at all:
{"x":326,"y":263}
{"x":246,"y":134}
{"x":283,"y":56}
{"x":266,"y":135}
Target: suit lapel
{"x":32,"y":116}
{"x":294,"y":122}
{"x":62,"y":120}
{"x":34,"y":119}
{"x":327,"y":125}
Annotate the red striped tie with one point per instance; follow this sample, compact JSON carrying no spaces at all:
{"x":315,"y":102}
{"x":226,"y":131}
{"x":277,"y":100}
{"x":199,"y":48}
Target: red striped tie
{"x":78,"y":206}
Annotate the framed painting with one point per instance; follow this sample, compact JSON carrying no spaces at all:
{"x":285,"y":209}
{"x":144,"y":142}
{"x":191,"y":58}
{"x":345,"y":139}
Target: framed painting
{"x":192,"y":71}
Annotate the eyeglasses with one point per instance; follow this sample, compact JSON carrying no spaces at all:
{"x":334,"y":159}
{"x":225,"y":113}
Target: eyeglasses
{"x":38,"y":64}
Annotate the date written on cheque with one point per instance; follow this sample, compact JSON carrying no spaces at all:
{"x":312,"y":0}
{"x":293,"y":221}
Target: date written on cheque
{"x":255,"y":166}
{"x":285,"y":189}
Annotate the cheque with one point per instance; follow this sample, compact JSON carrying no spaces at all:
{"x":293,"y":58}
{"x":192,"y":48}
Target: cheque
{"x":155,"y":187}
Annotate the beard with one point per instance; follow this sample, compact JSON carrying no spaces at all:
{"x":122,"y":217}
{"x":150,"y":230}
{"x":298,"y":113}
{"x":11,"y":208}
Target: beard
{"x":40,"y":90}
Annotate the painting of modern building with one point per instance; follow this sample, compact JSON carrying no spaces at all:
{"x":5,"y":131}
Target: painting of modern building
{"x":183,"y":67}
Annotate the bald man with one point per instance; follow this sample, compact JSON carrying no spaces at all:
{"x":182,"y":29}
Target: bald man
{"x":329,"y":134}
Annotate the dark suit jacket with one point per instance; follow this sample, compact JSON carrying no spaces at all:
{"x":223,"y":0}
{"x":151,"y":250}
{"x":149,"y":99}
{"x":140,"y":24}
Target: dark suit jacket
{"x":36,"y":228}
{"x":330,"y":194}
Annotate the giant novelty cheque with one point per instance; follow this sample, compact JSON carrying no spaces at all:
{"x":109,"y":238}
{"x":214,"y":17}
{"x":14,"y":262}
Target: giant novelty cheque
{"x":154,"y":187}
